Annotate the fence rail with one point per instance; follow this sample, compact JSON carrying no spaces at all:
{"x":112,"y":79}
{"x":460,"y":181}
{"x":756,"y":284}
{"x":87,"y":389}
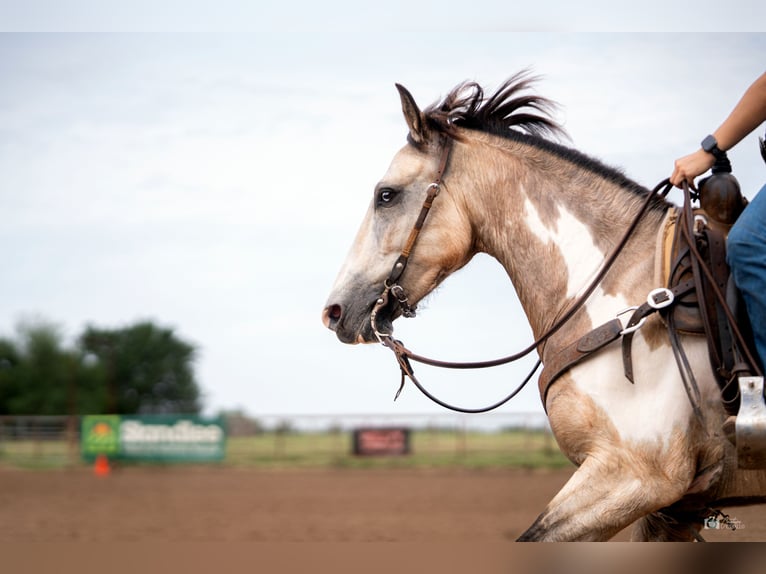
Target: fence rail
{"x":495,"y":439}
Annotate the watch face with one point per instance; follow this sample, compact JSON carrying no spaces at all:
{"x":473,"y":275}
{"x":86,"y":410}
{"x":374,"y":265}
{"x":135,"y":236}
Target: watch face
{"x":709,"y":144}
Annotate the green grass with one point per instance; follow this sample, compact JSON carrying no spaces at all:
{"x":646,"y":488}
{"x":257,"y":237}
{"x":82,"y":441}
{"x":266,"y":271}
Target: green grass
{"x":430,"y":449}
{"x":43,"y":454}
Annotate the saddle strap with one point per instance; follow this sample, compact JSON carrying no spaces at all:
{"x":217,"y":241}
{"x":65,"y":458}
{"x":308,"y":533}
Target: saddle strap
{"x":639,"y":315}
{"x":575,"y":352}
{"x":726,"y":345}
{"x":720,"y":344}
{"x":684,"y":368}
{"x":598,"y":338}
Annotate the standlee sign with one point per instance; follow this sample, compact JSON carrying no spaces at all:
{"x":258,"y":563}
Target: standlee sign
{"x":167,"y":438}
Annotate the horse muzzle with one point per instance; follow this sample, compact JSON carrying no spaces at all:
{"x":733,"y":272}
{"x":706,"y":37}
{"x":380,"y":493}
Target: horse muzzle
{"x":351,"y":320}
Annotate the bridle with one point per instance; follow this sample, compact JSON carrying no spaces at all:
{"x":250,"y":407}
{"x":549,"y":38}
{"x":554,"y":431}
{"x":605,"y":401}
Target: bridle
{"x":392,"y":287}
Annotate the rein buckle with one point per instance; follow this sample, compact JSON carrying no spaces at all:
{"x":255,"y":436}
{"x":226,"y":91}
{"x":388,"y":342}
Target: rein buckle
{"x":632,"y":328}
{"x":398,"y":292}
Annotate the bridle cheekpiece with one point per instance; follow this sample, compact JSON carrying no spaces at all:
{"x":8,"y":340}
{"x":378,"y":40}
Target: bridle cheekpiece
{"x":391,"y":285}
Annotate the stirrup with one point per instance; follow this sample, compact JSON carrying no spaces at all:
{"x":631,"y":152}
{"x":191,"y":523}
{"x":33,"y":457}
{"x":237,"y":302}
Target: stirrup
{"x":751,"y":424}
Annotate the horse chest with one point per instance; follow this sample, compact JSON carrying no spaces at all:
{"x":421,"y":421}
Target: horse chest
{"x":647,"y":411}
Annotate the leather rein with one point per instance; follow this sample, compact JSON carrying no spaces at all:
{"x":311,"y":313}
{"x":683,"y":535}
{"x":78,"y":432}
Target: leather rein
{"x":404,"y":356}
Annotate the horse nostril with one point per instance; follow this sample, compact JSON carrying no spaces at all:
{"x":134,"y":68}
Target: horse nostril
{"x":331,"y":315}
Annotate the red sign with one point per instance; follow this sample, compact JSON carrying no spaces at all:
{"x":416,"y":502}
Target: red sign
{"x":381,"y":441}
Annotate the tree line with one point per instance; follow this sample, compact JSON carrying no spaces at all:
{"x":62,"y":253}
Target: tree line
{"x":139,"y":369}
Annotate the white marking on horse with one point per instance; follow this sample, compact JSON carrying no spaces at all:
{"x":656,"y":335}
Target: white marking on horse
{"x":573,"y":238}
{"x":627,"y":405}
{"x":581,"y":256}
{"x":631,"y":406}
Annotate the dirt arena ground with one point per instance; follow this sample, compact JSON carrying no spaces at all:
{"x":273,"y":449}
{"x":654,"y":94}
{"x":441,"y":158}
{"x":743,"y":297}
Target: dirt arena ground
{"x":181,"y":504}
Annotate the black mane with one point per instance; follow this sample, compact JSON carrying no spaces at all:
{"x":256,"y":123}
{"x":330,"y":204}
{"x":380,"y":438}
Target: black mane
{"x":512,"y":113}
{"x":466,"y":106}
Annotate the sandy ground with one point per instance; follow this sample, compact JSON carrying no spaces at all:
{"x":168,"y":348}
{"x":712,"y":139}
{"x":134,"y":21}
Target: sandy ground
{"x":244,"y":505}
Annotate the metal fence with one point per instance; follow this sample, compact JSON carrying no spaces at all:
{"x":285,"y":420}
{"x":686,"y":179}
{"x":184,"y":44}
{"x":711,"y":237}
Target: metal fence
{"x":39,"y":441}
{"x":315,"y":440}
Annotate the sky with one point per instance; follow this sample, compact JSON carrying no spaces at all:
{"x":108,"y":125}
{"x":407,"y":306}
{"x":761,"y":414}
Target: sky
{"x":210,"y":176}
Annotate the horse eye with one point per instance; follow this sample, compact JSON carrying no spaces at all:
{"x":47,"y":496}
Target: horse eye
{"x":386,"y":196}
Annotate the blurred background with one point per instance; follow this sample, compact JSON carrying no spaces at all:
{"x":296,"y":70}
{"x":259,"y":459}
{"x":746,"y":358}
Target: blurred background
{"x":180,"y":183}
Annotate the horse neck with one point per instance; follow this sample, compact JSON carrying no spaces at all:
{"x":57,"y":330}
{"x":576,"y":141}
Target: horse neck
{"x":547,"y":220}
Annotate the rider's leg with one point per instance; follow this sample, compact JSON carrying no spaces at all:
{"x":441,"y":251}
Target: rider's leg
{"x":747,"y":259}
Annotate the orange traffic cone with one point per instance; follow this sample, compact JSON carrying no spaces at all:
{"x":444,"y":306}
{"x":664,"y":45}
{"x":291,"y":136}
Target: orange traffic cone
{"x":101,"y":468}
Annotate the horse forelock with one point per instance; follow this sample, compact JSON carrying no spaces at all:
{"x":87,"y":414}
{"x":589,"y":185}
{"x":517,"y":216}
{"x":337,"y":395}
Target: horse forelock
{"x":511,"y":112}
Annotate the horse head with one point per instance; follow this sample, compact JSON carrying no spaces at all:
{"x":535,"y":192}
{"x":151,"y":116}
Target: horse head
{"x":441,"y":246}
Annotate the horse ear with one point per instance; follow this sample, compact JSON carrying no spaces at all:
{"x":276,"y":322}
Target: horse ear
{"x":415,"y":119}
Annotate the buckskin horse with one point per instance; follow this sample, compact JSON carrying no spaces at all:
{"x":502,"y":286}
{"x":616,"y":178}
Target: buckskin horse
{"x":491,"y":176}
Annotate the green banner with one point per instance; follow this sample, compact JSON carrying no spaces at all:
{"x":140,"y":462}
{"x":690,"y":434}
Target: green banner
{"x":168,"y":438}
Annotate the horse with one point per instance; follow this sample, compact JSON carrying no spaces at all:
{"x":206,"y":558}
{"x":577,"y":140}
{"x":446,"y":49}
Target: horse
{"x":497,"y":180}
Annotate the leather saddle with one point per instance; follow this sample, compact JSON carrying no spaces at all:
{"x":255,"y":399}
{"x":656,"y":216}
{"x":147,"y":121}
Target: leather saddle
{"x":714,"y":308}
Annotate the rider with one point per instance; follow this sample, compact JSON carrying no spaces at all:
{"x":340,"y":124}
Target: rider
{"x":747,"y":238}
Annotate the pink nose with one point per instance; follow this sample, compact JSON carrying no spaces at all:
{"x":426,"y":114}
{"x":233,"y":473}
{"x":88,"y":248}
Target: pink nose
{"x":331,"y":316}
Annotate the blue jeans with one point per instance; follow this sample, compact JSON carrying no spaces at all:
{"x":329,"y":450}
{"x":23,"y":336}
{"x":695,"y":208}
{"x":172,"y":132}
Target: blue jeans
{"x":746,"y":250}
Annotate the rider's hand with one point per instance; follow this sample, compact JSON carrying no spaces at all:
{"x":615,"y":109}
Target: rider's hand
{"x":690,"y":166}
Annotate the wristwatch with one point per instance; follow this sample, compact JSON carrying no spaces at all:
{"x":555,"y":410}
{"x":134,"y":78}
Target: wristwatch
{"x":710,"y":145}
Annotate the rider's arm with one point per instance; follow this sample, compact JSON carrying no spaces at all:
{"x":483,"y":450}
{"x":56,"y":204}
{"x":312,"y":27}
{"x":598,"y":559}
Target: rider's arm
{"x":748,"y":114}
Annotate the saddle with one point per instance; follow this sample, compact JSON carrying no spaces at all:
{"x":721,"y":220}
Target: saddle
{"x":694,"y":252}
{"x":714,"y":309}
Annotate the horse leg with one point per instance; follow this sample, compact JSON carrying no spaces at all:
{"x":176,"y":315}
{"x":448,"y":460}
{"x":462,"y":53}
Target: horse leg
{"x":682,"y":521}
{"x":603,"y":497}
{"x":619,"y":480}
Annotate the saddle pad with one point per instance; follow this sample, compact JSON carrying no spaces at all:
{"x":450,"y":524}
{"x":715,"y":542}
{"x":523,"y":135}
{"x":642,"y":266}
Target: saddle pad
{"x":664,"y":247}
{"x":664,"y":250}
